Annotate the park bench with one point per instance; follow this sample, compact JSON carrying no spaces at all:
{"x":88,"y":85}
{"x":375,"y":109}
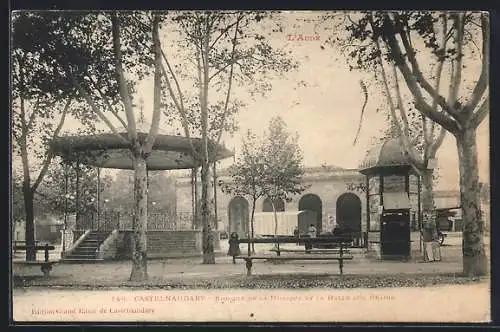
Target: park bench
{"x":331,"y":254}
{"x":278,"y":251}
{"x":19,"y":243}
{"x":45,"y":264}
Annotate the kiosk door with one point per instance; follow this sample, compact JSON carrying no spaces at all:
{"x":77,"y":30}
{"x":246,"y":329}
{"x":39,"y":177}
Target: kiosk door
{"x":395,"y":234}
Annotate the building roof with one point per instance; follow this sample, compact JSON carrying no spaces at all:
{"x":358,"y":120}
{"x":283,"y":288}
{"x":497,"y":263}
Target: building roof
{"x":307,"y":170}
{"x":387,"y":154}
{"x":107,"y":150}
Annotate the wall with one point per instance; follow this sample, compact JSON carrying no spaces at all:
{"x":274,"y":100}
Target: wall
{"x":328,"y":185}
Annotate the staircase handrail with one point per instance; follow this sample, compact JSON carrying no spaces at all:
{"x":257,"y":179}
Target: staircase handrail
{"x":77,"y":243}
{"x":107,"y":240}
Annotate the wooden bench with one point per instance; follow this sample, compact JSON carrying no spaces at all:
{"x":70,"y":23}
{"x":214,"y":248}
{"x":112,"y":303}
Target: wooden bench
{"x":45,"y":265}
{"x":249,"y":259}
{"x":336,"y":254}
{"x":278,"y":251}
{"x":20,"y":243}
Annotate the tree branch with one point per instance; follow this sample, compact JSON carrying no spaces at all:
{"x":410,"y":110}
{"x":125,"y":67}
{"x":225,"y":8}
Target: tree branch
{"x":437,"y":143}
{"x":226,"y":29}
{"x":108,"y":105}
{"x":430,"y":146}
{"x":155,"y":122}
{"x":418,"y":76}
{"x":449,"y":123}
{"x":179,"y":104}
{"x":482,"y":83}
{"x":481,"y":113}
{"x":49,"y":155}
{"x":33,"y":113}
{"x":392,"y":108}
{"x":230,"y":82}
{"x":404,"y":131}
{"x":96,"y":109}
{"x":457,"y":78}
{"x":124,"y":93}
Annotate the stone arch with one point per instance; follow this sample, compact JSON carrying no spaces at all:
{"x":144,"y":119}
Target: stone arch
{"x":279,"y":205}
{"x":348,"y":211}
{"x":312,"y":202}
{"x":238,"y":215}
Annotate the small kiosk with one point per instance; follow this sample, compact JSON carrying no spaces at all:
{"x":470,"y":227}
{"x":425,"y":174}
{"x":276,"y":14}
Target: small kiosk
{"x":393,"y":201}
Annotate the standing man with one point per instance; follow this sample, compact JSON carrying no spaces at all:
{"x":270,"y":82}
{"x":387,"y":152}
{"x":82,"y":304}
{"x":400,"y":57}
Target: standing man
{"x":311,"y":231}
{"x":331,"y":222}
{"x":427,"y":238}
{"x":296,"y":233}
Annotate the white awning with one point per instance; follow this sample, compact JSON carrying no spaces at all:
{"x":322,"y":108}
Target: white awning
{"x":396,"y":201}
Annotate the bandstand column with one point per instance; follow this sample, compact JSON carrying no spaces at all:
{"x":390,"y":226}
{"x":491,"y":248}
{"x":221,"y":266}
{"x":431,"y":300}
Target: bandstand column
{"x":98,"y":197}
{"x":66,"y":176}
{"x":193,"y":209}
{"x":77,"y":193}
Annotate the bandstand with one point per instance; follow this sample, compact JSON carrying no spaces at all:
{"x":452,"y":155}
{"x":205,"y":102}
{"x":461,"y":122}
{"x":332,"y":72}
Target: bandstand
{"x":99,"y":238}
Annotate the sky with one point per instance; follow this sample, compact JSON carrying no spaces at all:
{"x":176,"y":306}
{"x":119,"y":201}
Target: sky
{"x":325,"y":112}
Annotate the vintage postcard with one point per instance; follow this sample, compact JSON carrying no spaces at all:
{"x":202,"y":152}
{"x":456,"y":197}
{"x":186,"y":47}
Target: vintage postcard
{"x":250,"y":166}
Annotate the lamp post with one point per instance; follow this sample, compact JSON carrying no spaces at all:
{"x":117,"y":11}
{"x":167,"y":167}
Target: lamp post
{"x":106,"y":200}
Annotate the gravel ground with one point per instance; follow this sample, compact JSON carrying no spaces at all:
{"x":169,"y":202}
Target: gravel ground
{"x":190,"y":273}
{"x":270,"y":281}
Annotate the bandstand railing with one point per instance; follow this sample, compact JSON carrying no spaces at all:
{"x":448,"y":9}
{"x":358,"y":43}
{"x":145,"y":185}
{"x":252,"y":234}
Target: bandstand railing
{"x":123,"y":220}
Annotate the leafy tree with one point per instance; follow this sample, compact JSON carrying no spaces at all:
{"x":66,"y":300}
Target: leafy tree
{"x":223,"y":49}
{"x":40,"y":106}
{"x":282,"y":165}
{"x":420,"y":138}
{"x":246,"y":175}
{"x":59,"y":191}
{"x":161,"y":191}
{"x":99,"y":58}
{"x":405,"y":42}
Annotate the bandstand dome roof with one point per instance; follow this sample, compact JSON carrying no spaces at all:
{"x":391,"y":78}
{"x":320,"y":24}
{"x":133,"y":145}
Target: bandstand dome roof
{"x":389,"y":153}
{"x":107,"y":150}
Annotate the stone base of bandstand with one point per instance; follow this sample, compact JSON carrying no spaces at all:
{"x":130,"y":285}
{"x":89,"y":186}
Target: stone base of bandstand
{"x":162,"y":244}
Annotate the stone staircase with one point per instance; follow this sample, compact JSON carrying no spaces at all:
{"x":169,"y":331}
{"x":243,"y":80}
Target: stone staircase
{"x":86,"y":252}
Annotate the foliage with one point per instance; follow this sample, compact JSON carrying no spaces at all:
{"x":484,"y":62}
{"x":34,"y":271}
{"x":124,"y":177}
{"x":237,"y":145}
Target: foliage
{"x":53,"y":188}
{"x":161,"y":190}
{"x":446,"y":39}
{"x":236,"y":54}
{"x":219,"y":50}
{"x":247,"y":172}
{"x":98,"y":58}
{"x":283,"y":168}
{"x":416,"y":46}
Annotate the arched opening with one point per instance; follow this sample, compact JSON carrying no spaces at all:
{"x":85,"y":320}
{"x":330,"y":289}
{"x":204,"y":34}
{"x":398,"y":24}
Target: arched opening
{"x":349,"y":213}
{"x":279,"y":205}
{"x":238,"y":216}
{"x":312,"y":202}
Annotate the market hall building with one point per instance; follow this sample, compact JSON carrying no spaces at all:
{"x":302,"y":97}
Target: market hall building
{"x":348,"y":198}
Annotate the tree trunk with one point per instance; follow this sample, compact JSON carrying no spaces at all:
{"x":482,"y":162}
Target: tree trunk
{"x":139,"y":238}
{"x":30,"y":222}
{"x":252,"y":224}
{"x":275,"y":222}
{"x":207,"y":240}
{"x":474,"y":256}
{"x":275,"y":219}
{"x":428,"y":205}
